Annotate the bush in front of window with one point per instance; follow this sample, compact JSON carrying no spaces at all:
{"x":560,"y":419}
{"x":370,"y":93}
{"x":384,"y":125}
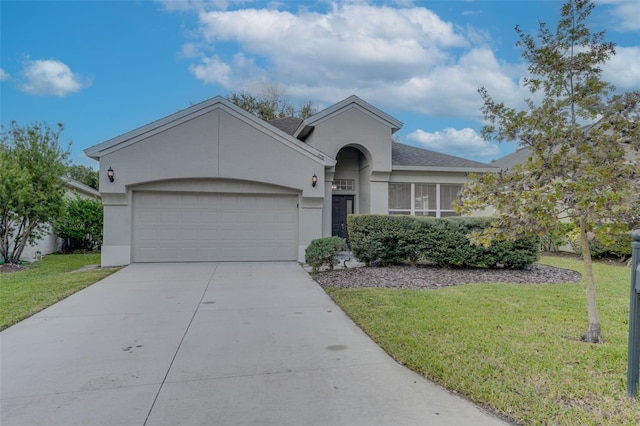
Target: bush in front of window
{"x":324,"y":251}
{"x":386,"y":239}
{"x":452,"y":248}
{"x":399,"y":239}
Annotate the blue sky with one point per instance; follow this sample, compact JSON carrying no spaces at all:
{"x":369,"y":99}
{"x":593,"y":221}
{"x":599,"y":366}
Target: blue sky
{"x":103,"y":68}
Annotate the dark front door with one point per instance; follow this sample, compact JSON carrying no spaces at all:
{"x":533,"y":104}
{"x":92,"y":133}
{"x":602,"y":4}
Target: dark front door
{"x":342,"y":205}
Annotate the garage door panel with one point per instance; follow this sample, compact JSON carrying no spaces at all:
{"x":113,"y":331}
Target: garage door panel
{"x":209,"y":235}
{"x":210,"y":201}
{"x":167,"y":252}
{"x":214,"y":227}
{"x":209,"y":216}
{"x":186,"y":201}
{"x":166,"y":200}
{"x":190,"y":235}
{"x":167,"y":216}
{"x":284,"y":218}
{"x":189,"y":217}
{"x":147,"y":200}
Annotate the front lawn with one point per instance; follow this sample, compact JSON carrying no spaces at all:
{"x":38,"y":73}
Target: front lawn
{"x":513,"y":348}
{"x":43,"y":283}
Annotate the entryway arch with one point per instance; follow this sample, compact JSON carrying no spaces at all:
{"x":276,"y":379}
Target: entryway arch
{"x":350,"y":187}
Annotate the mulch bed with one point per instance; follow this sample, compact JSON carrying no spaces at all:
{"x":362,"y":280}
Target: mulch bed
{"x":10,"y":267}
{"x":432,"y":277}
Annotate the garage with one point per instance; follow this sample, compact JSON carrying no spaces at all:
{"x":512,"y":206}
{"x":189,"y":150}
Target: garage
{"x":203,"y":227}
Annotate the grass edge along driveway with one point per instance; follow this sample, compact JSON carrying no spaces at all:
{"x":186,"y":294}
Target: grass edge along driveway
{"x":43,"y":283}
{"x":512,"y":348}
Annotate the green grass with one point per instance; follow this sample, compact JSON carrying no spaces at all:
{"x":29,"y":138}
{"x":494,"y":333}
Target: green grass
{"x":43,"y":283}
{"x":513,"y":348}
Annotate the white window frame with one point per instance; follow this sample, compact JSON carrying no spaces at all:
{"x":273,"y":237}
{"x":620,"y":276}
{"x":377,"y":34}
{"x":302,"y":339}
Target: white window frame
{"x":343,"y":185}
{"x":425,"y":212}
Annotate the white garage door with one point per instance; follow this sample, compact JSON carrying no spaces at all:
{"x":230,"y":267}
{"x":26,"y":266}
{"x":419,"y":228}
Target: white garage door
{"x":194,"y":227}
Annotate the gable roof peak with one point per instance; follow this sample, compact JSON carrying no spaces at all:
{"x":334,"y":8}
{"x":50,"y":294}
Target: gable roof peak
{"x":196,"y":110}
{"x":350,"y":102}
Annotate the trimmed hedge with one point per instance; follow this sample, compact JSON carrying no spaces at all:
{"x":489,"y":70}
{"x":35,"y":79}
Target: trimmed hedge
{"x":323,"y":251}
{"x":392,"y":239}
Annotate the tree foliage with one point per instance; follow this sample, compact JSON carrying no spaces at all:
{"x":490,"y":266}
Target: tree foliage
{"x":83,"y":174}
{"x":81,"y":224}
{"x":271,"y":105}
{"x":583,"y":139}
{"x":31,"y":187}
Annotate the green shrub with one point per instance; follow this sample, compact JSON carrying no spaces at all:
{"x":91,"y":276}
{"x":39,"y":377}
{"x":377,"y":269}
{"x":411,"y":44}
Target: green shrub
{"x":323,"y":251}
{"x":557,"y":238}
{"x":396,"y":239}
{"x":620,"y":247}
{"x":607,"y":242}
{"x":81,"y":224}
{"x":452,"y":247}
{"x":386,"y":239}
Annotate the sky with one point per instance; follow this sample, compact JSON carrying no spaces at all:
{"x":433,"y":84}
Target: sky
{"x":103,"y":68}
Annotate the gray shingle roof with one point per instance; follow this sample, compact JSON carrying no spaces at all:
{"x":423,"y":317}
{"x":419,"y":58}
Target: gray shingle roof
{"x":522,"y":155}
{"x":406,"y":155}
{"x":518,"y":157}
{"x":288,"y":125}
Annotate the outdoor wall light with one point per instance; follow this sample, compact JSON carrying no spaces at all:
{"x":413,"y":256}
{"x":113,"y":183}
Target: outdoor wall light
{"x":314,"y":180}
{"x":110,"y":174}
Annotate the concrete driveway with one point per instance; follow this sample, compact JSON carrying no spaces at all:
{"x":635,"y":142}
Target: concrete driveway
{"x":210,"y":344}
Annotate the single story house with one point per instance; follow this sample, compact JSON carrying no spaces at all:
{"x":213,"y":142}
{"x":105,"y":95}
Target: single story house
{"x":50,"y":243}
{"x":215,"y":183}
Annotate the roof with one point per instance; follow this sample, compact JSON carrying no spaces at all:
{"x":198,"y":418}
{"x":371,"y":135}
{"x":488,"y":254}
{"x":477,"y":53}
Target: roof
{"x":289,"y":125}
{"x":74,"y":185}
{"x":406,"y":157}
{"x":518,"y":157}
{"x":522,"y":155}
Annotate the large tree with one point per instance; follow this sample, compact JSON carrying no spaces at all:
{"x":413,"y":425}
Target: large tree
{"x":271,"y":105}
{"x":583,"y":139}
{"x":31,"y":186}
{"x":83,"y":174}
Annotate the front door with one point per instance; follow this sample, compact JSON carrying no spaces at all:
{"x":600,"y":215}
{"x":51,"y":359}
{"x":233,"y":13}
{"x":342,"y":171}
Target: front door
{"x":342,"y":205}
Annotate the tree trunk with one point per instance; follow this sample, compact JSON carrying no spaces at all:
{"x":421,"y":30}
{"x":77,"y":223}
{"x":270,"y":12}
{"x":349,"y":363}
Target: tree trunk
{"x":25,"y":231}
{"x":4,"y":238}
{"x":593,"y":333}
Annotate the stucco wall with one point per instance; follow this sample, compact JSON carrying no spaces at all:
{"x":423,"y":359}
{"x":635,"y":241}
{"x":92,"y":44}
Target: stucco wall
{"x":353,"y":127}
{"x":216,"y":145}
{"x":217,"y":151}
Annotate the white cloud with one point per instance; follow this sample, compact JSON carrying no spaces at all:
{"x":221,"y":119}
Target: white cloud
{"x":452,"y":89}
{"x":623,"y":69}
{"x":190,"y":51}
{"x":399,"y":57}
{"x":4,"y":75}
{"x":213,"y":70}
{"x":465,"y":142}
{"x":626,"y":12}
{"x":189,"y":5}
{"x":51,"y":77}
{"x":200,"y":5}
